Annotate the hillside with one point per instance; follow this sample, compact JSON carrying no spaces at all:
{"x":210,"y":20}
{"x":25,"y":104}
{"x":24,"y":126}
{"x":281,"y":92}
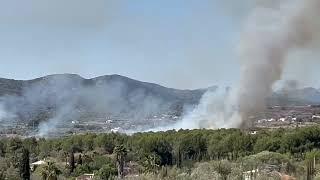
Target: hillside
{"x":69,"y":97}
{"x":304,"y":96}
{"x":71,"y":101}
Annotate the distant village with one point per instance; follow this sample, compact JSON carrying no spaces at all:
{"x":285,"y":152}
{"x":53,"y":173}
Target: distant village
{"x":105,"y":124}
{"x":288,"y":116}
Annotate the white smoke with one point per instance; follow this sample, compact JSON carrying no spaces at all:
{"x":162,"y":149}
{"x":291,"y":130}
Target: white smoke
{"x":273,"y":30}
{"x":3,"y":113}
{"x":222,"y":112}
{"x":51,"y":103}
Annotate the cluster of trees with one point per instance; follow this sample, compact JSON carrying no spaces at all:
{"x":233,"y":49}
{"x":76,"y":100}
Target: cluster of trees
{"x":107,"y":154}
{"x":14,"y":160}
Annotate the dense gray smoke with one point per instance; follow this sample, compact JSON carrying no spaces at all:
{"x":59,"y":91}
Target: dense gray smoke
{"x":290,"y":85}
{"x":273,"y":30}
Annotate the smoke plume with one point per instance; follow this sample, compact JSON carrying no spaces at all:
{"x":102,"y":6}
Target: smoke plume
{"x":273,"y":30}
{"x":51,"y":103}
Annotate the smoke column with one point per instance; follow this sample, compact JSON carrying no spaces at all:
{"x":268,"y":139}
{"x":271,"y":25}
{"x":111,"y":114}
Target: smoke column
{"x":274,"y":28}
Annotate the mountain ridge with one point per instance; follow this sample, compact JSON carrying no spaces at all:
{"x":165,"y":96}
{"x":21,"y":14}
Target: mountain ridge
{"x":14,"y":87}
{"x":70,"y":97}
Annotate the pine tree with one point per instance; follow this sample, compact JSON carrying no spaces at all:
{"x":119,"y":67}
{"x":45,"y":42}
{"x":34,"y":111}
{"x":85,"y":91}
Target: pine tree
{"x":49,"y":172}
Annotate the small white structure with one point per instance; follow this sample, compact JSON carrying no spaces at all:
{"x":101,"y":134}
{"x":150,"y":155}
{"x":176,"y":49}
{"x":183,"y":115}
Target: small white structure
{"x":109,"y":121}
{"x":315,"y":117}
{"x":38,"y":163}
{"x":262,"y":120}
{"x":34,"y":165}
{"x":114,"y":130}
{"x":282,"y":119}
{"x":271,"y":120}
{"x":86,"y":177}
{"x":253,"y":132}
{"x":249,"y":175}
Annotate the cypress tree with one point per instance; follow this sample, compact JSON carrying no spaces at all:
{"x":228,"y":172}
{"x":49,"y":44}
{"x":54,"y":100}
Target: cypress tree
{"x":24,"y":165}
{"x":79,"y":162}
{"x":71,"y":162}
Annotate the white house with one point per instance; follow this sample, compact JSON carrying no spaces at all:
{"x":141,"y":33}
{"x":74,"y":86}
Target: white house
{"x":86,"y":177}
{"x":249,"y":175}
{"x":34,"y":165}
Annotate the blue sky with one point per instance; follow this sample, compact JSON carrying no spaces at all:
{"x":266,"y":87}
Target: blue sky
{"x":176,"y":43}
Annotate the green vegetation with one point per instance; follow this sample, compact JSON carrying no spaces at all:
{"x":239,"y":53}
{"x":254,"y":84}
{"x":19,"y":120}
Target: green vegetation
{"x":120,"y":152}
{"x":24,"y":165}
{"x":49,"y":171}
{"x":185,"y":154}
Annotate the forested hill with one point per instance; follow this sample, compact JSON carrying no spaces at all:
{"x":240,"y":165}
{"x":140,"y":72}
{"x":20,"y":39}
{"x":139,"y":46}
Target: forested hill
{"x":105,"y":95}
{"x":72,"y":97}
{"x":17,"y":87}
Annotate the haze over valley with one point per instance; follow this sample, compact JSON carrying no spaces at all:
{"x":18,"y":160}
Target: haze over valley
{"x":61,"y":104}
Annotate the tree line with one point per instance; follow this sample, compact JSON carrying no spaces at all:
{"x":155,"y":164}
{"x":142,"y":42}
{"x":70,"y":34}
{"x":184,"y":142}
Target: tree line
{"x":107,"y":154}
